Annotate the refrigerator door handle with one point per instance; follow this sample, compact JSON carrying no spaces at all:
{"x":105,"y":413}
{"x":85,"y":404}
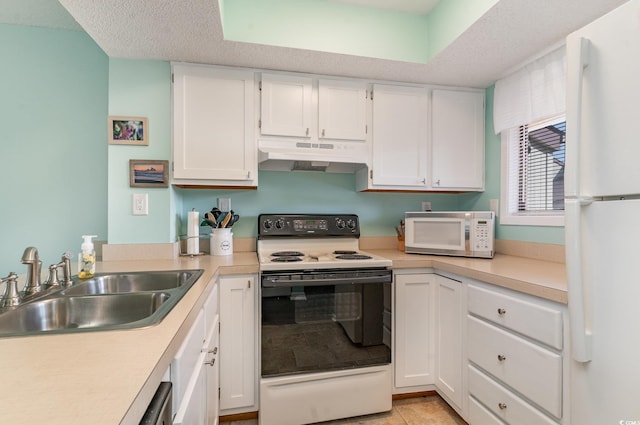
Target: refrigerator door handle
{"x":579,"y":310}
{"x":577,"y":61}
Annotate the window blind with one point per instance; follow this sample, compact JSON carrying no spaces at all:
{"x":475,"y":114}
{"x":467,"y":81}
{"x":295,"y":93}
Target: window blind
{"x":533,"y":93}
{"x":536,"y":168}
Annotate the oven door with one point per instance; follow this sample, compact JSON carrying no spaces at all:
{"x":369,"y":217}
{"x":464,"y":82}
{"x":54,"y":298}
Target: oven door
{"x":323,"y":320}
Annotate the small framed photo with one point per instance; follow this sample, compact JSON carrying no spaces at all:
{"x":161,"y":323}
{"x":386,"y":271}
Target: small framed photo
{"x":148,"y":173}
{"x":132,"y":131}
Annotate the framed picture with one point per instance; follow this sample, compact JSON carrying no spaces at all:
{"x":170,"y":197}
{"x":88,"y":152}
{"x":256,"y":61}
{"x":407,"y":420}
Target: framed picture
{"x":148,"y":173}
{"x":128,"y":131}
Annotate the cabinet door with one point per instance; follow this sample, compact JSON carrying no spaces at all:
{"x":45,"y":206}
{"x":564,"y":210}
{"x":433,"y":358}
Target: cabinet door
{"x":187,"y":360}
{"x":286,"y":105}
{"x":413,"y":329}
{"x":399,"y":136}
{"x":237,"y":341}
{"x":213,"y":135}
{"x":192,"y":410}
{"x":448,"y":342}
{"x":457,"y":132}
{"x":212,"y":365}
{"x":342,"y":110}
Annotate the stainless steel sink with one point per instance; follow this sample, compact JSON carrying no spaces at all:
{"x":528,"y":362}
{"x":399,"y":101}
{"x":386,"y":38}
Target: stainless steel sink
{"x":89,"y":312}
{"x":134,"y":282}
{"x":106,"y":302}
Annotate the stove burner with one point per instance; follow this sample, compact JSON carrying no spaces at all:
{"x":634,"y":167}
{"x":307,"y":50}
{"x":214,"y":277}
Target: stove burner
{"x":353,"y":257}
{"x":287,"y":254}
{"x":340,"y":252}
{"x":286,"y":259}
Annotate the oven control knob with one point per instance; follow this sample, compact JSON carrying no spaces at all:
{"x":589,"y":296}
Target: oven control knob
{"x":351,"y":224}
{"x":280,"y":223}
{"x":267,"y":224}
{"x":340,"y":223}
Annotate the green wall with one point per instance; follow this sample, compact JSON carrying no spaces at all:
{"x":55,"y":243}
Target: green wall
{"x":312,"y":192}
{"x":327,"y":26}
{"x":53,"y":143}
{"x":141,"y":89}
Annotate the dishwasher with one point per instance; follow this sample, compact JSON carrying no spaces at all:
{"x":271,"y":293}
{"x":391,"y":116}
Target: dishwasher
{"x":159,"y":411}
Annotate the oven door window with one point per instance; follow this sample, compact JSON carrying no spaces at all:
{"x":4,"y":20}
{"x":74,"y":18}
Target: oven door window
{"x":311,"y":328}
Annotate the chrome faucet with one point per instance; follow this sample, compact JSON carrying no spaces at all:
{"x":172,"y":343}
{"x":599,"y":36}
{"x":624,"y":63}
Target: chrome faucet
{"x":11,"y":297}
{"x":32,"y":260}
{"x":52,"y":281}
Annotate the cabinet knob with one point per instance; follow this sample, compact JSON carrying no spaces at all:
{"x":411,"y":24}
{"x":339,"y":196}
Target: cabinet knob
{"x":502,"y":357}
{"x":437,"y":183}
{"x":502,"y":406}
{"x":502,"y":311}
{"x":323,"y":132}
{"x":307,"y":132}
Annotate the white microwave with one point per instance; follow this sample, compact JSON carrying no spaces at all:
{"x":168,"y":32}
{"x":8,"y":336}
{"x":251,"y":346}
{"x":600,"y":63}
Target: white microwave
{"x":458,"y":233}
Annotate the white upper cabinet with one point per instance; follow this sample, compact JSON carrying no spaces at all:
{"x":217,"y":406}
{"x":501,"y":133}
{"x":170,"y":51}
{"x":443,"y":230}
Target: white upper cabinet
{"x":312,"y":109}
{"x":457,"y":140}
{"x":399,"y":145}
{"x":213,"y":120}
{"x":342,"y":107}
{"x":286,"y":106}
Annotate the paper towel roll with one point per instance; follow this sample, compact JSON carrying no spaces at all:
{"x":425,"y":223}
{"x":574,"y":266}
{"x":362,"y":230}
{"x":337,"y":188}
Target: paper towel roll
{"x":193,"y":233}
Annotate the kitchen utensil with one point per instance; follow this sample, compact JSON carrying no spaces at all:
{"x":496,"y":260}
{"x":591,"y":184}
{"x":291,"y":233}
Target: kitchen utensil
{"x":210,"y":220}
{"x":226,"y":220}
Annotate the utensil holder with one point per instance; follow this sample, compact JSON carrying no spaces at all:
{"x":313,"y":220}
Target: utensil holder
{"x":221,"y":242}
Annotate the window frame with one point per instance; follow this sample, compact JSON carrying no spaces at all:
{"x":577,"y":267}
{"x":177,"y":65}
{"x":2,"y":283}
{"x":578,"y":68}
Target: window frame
{"x":554,"y":219}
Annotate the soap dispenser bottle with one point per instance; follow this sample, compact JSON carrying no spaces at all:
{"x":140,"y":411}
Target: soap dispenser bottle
{"x":87,"y":258}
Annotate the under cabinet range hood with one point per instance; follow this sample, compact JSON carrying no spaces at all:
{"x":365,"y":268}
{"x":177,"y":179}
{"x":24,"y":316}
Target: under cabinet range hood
{"x":296,"y":155}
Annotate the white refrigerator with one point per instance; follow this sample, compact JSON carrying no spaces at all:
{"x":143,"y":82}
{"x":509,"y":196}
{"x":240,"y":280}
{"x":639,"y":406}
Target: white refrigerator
{"x":602,"y":212}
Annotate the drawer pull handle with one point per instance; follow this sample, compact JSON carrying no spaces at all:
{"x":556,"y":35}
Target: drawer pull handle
{"x":501,"y":357}
{"x":502,"y":406}
{"x":502,"y":311}
{"x":211,"y":363}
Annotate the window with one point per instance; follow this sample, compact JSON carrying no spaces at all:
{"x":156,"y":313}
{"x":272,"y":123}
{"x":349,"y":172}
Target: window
{"x":533,"y":157}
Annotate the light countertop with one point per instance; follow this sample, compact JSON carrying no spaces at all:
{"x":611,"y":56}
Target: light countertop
{"x":109,"y":377}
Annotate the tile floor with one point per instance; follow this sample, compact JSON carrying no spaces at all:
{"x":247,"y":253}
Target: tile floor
{"x":427,"y":410}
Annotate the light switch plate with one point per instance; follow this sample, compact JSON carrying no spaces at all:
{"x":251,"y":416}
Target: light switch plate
{"x":426,"y":205}
{"x":493,"y":206}
{"x":140,"y":204}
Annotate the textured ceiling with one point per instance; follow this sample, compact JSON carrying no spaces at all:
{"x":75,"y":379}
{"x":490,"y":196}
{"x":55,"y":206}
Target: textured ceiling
{"x":507,"y":35}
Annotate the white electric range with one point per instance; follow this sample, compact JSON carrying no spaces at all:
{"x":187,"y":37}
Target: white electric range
{"x":325,"y":316}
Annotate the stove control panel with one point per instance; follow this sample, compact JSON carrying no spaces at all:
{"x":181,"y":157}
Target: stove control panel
{"x":308,"y":225}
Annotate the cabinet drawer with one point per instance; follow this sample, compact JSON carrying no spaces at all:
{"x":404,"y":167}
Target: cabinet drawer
{"x":502,"y":402}
{"x":531,"y":370}
{"x":479,"y":415}
{"x":186,"y":360}
{"x":535,"y":321}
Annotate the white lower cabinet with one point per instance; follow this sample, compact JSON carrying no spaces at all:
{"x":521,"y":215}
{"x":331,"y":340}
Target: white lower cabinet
{"x":448,"y":339}
{"x":497,"y":356}
{"x":413,"y":329}
{"x":194,"y":369}
{"x":516,"y":362}
{"x":238,"y":371}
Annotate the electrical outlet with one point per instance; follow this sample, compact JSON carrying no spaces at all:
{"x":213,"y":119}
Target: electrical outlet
{"x":426,"y":205}
{"x":224,"y":204}
{"x":140,"y":204}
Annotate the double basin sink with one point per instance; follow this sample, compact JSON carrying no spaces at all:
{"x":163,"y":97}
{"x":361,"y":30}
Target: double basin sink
{"x":105,"y":302}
